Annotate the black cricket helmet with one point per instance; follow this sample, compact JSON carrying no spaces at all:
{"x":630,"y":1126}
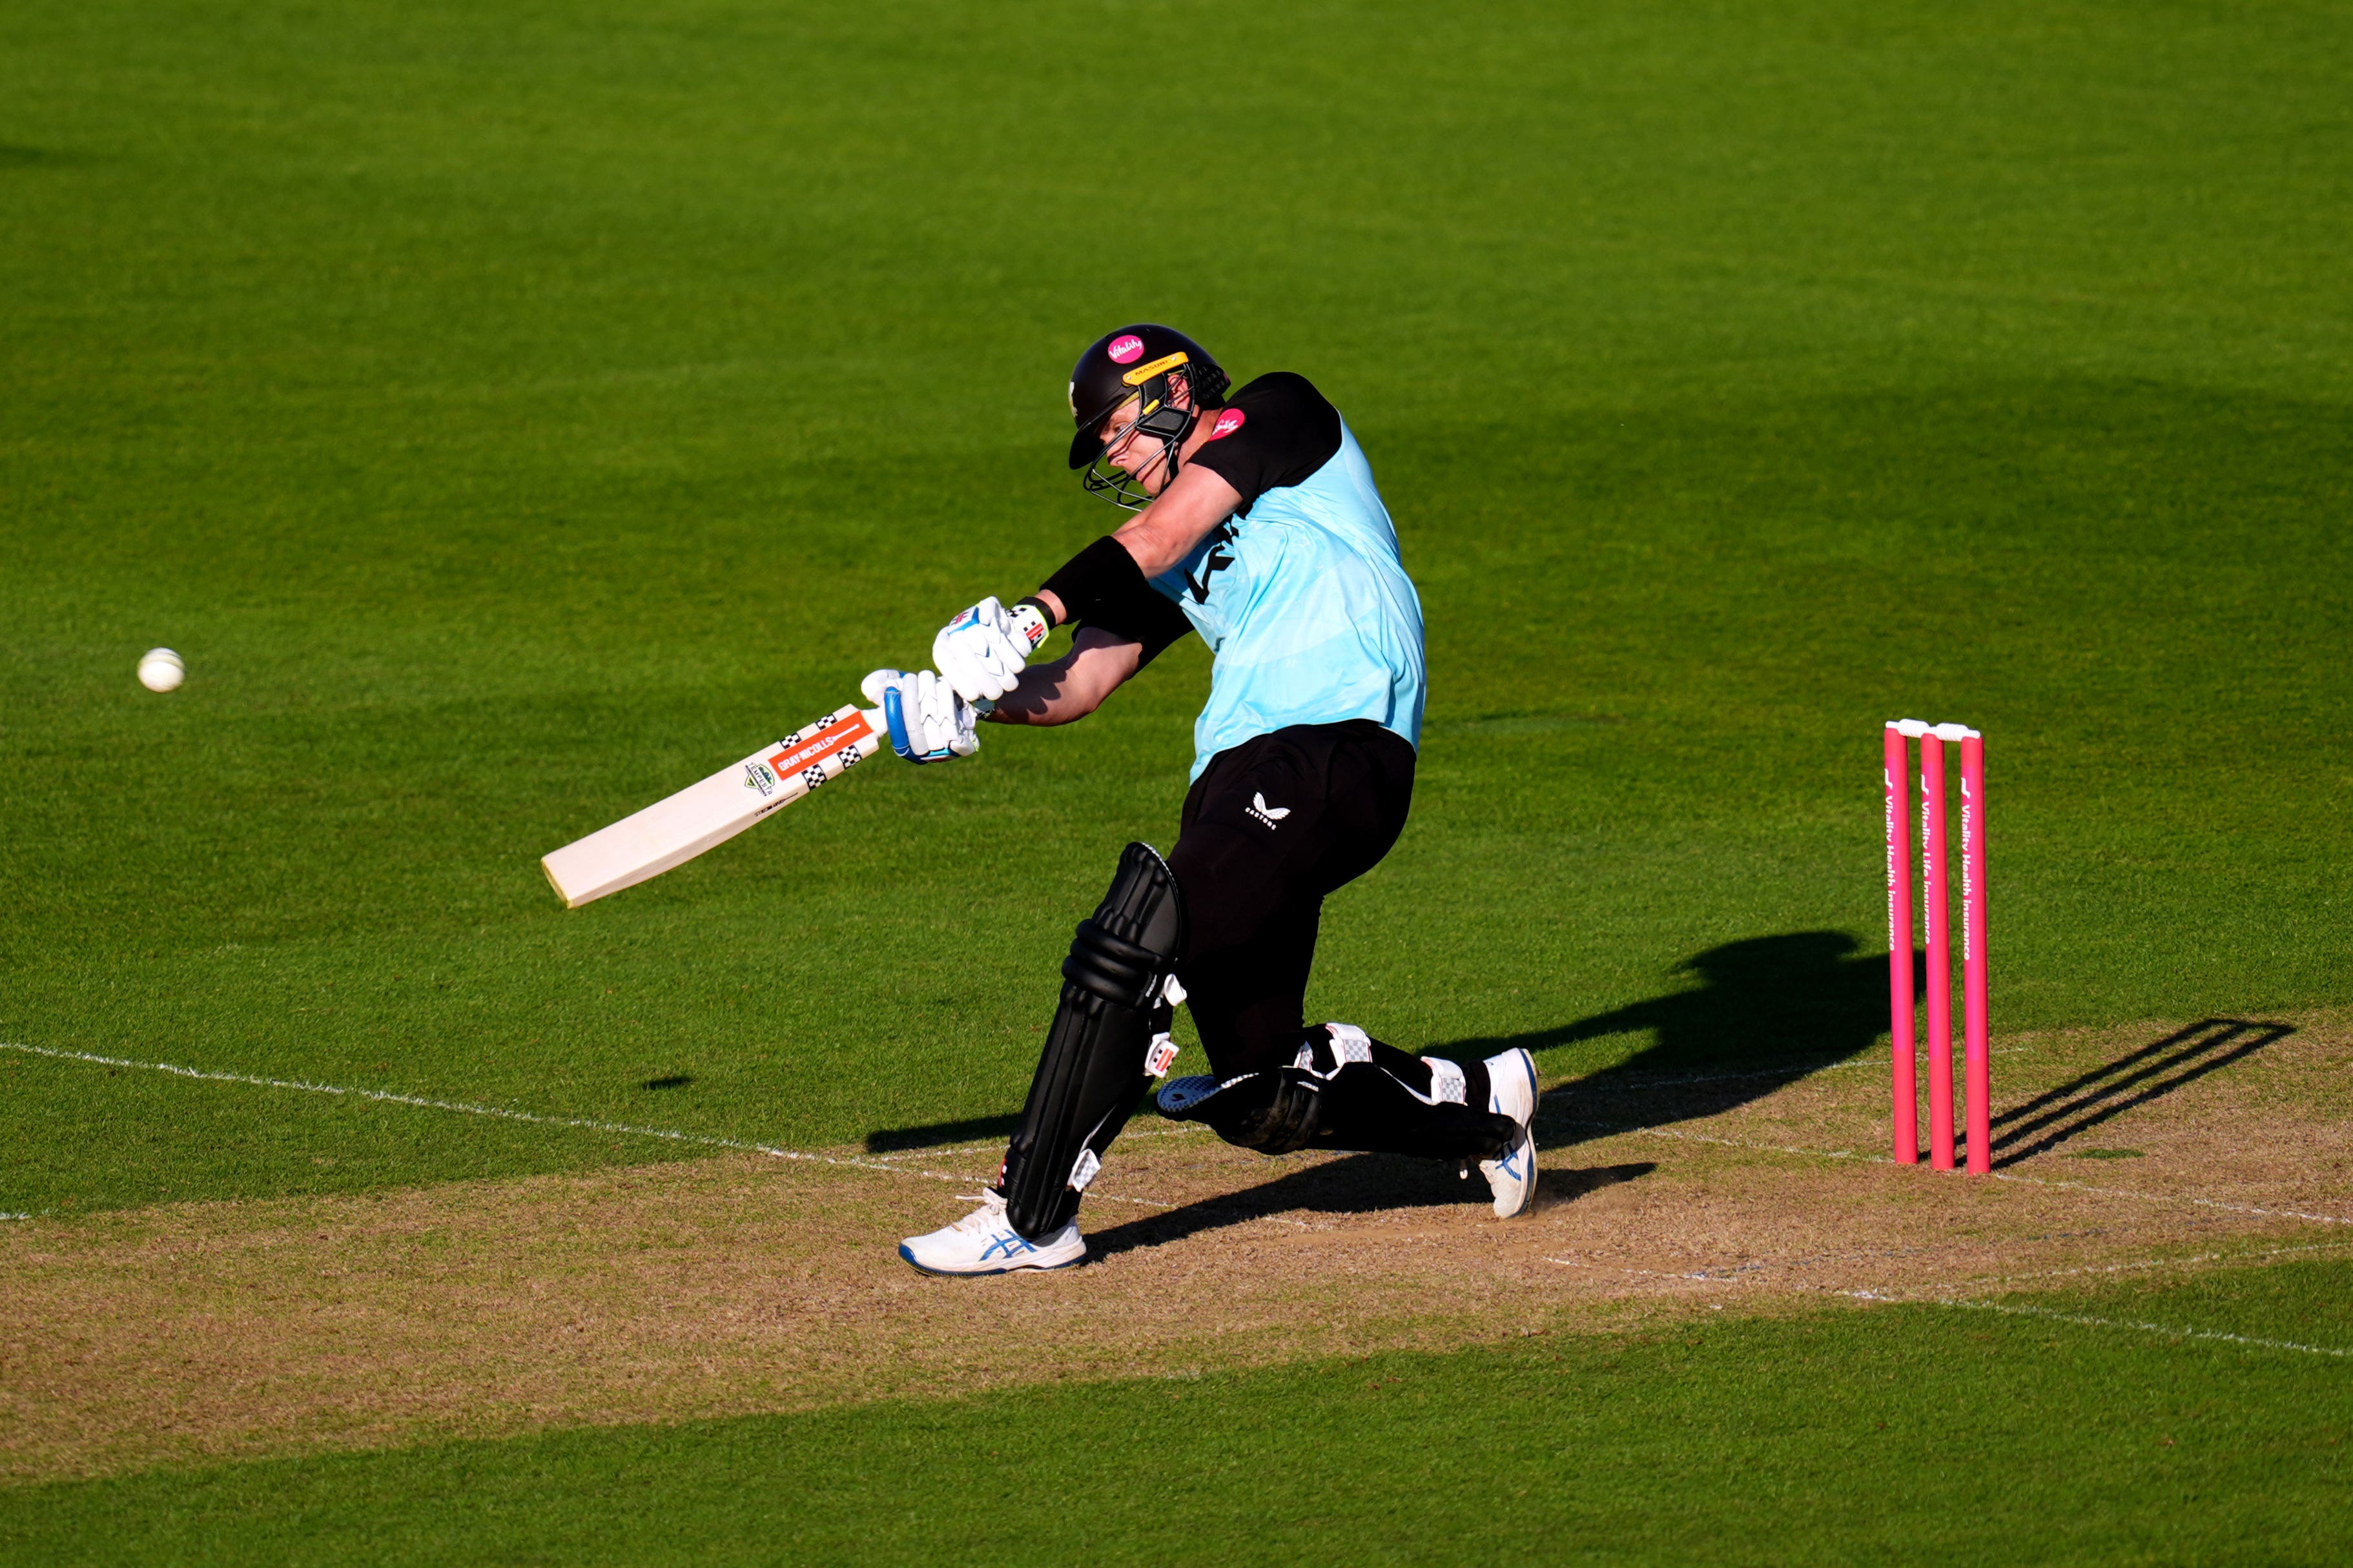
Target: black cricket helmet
{"x":1137,"y":362}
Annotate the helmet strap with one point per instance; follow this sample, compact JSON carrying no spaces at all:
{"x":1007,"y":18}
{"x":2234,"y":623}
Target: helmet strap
{"x":1167,"y":424}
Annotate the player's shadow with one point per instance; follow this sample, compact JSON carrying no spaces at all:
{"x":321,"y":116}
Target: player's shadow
{"x":1351,"y":1185}
{"x":1769,"y":1011}
{"x":2155,"y":1071}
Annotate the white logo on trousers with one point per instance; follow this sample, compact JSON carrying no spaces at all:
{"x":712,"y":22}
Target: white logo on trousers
{"x":1270,"y":815}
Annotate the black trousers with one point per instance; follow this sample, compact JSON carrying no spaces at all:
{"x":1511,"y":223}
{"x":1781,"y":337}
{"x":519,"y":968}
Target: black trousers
{"x":1270,"y":829}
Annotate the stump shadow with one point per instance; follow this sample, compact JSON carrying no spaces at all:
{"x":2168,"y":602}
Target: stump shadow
{"x":2058,"y":1115}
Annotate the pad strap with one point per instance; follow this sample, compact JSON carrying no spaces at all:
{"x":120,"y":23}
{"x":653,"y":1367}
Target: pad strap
{"x":1346,"y":1091}
{"x":1114,"y":969}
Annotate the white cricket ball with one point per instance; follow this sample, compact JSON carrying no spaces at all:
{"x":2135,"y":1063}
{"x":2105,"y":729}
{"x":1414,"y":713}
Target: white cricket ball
{"x":160,"y":669}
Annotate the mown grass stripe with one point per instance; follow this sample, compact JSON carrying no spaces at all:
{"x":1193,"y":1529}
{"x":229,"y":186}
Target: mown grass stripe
{"x":2015,"y":1310}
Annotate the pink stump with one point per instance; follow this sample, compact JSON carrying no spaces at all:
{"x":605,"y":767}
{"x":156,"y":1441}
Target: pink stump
{"x":1935,"y":928}
{"x":1975,"y":1064}
{"x":1897,"y":772}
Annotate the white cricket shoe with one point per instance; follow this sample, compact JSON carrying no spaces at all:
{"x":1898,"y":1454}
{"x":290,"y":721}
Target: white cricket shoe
{"x":1512,"y":1092}
{"x":983,"y":1243}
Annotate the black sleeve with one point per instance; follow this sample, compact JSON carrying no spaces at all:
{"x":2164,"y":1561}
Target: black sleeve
{"x":1285,"y":433}
{"x":1102,"y":586}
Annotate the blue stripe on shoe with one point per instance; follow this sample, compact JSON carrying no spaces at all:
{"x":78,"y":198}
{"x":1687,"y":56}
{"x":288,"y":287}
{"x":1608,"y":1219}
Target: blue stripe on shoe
{"x":979,"y":1273}
{"x":948,"y":1273}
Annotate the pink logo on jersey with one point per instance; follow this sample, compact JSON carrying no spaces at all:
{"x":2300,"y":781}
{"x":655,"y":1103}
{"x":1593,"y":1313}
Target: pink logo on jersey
{"x":1125,"y":349}
{"x":1227,"y":423}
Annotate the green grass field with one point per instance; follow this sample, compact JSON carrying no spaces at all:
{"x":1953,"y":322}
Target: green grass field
{"x":514,"y":411}
{"x":1996,"y":1440}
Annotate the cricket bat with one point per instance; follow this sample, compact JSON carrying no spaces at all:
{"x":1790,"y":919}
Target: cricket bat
{"x":673,"y":831}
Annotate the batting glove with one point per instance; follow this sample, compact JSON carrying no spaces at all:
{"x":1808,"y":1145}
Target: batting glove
{"x":981,"y":652}
{"x":927,"y":720}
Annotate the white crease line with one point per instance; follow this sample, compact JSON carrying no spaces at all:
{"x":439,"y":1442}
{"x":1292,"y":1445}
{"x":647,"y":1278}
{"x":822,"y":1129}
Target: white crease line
{"x":1732,"y":1273}
{"x":2173,"y":1199}
{"x":1601,"y":1082}
{"x":386,"y":1096}
{"x":1648,"y":1273}
{"x":955,"y":1151}
{"x":2176,"y":1262}
{"x":2049,"y":1315}
{"x":1617,"y":1129}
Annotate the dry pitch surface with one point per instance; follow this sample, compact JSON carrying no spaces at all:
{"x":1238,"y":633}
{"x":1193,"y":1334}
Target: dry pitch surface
{"x":750,"y":1282}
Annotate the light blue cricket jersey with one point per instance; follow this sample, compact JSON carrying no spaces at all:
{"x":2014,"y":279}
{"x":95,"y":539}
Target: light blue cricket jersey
{"x":1308,"y":611}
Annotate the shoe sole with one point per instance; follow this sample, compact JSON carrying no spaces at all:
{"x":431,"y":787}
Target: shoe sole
{"x":1528,"y":1138}
{"x":1527,"y":1188}
{"x":921,"y":1268}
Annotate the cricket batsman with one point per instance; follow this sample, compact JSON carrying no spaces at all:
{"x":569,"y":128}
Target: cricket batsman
{"x":1258,"y":526}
